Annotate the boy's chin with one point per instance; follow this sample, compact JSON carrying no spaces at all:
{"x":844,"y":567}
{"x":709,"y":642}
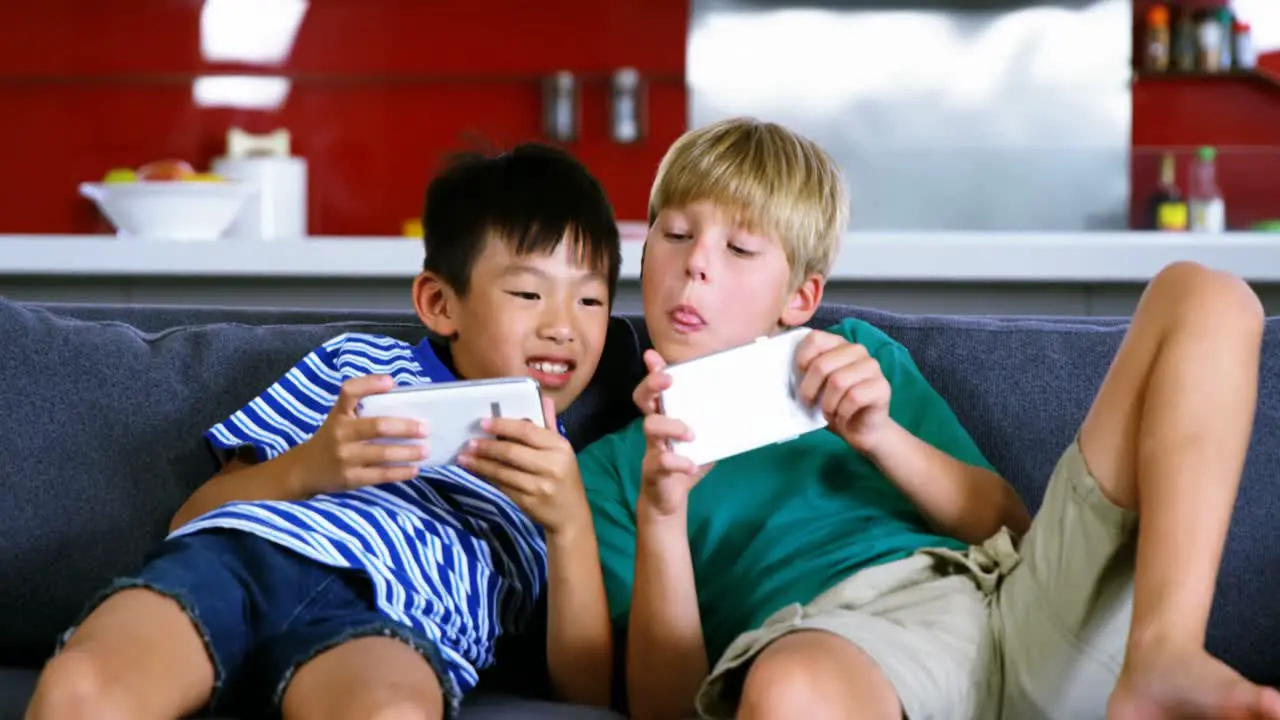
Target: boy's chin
{"x":681,"y":348}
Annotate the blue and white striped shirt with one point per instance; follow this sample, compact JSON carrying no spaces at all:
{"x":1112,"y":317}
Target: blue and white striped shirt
{"x":447,"y":553}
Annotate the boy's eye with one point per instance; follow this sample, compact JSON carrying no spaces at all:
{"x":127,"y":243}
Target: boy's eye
{"x":741,"y":251}
{"x":523,"y":295}
{"x":593,"y":302}
{"x":676,"y":236}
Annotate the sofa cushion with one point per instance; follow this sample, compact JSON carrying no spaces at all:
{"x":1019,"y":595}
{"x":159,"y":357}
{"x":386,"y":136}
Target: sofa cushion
{"x":102,"y":441}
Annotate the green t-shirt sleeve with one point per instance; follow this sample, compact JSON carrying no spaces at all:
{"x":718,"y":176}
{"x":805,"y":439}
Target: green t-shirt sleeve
{"x":603,"y":468}
{"x":914,"y":404}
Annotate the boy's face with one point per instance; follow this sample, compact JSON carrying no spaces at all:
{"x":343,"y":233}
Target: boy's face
{"x":709,"y":284}
{"x":541,"y":316}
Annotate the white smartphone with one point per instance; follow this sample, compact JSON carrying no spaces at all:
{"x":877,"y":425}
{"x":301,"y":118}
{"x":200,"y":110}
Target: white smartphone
{"x":453,"y":410}
{"x":740,"y":399}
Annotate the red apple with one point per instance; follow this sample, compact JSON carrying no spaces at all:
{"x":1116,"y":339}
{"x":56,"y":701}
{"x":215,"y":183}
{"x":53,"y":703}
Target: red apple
{"x":166,"y":170}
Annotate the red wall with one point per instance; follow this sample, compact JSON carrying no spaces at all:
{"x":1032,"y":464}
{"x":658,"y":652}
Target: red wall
{"x":1238,"y":115}
{"x":380,"y":90}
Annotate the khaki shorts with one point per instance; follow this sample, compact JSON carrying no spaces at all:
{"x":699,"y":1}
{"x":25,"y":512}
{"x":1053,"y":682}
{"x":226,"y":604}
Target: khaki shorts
{"x":1031,"y":633}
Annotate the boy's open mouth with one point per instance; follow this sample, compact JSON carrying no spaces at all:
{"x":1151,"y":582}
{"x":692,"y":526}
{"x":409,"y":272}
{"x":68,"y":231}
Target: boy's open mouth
{"x":551,"y":372}
{"x":686,"y":319}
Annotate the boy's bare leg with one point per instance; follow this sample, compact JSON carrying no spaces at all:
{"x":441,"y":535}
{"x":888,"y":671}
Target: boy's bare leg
{"x":368,"y":677}
{"x":136,"y":656}
{"x":816,"y":675}
{"x":1167,"y":437}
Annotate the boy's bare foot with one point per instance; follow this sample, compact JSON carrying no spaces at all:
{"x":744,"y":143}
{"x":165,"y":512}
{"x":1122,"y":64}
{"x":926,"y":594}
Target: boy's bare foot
{"x":1188,"y":684}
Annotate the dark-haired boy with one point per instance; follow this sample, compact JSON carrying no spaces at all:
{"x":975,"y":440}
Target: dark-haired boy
{"x":320,"y":573}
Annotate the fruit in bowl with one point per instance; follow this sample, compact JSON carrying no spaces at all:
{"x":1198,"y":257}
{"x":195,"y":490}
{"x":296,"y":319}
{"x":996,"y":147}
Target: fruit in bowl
{"x":161,"y":171}
{"x":166,"y":170}
{"x":168,"y":200}
{"x":120,"y":175}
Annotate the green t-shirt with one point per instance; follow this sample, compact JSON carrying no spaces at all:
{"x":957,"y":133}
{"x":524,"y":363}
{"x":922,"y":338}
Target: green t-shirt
{"x":785,"y":522}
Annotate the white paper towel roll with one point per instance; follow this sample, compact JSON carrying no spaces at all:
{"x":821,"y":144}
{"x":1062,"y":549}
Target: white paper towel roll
{"x":278,"y":208}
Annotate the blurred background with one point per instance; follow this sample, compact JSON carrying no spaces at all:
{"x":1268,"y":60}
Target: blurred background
{"x":1003,"y":155}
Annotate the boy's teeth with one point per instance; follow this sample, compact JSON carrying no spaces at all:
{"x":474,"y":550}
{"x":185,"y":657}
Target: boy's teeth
{"x":550,"y":368}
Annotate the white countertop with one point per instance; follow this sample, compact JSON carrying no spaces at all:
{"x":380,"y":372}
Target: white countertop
{"x":866,"y":256}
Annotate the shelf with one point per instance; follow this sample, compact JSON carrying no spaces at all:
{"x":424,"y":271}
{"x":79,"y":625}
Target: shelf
{"x":1051,"y":257}
{"x":1205,"y":76}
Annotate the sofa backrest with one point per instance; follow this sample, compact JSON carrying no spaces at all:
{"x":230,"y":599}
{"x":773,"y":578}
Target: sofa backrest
{"x":105,"y":406}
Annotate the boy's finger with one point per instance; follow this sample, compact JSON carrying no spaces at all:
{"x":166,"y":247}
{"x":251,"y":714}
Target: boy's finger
{"x":522,"y":432}
{"x":549,"y":412}
{"x":511,"y":454}
{"x":814,"y":344}
{"x":810,"y":385}
{"x":653,"y":361}
{"x":661,"y":427}
{"x":506,"y":478}
{"x":372,"y":454}
{"x":673,"y":463}
{"x":646,"y":393}
{"x":846,"y":381}
{"x":383,"y":427}
{"x":356,"y":388}
{"x":376,"y":475}
{"x":822,"y":368}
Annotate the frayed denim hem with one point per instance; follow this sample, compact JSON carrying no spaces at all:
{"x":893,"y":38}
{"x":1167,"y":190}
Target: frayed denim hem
{"x":188,"y":609}
{"x":428,"y":651}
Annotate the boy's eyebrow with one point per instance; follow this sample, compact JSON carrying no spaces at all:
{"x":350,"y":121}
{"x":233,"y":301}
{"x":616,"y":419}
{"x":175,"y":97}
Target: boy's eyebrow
{"x":518,"y":268}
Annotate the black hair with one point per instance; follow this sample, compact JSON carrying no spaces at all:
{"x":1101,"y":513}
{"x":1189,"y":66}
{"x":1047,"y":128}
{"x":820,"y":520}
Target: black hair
{"x":532,"y":197}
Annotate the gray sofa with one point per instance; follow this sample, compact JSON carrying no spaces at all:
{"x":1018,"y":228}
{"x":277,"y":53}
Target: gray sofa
{"x":104,"y":408}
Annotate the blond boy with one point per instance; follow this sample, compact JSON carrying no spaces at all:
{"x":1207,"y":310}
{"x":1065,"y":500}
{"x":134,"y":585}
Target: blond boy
{"x":881,"y":568}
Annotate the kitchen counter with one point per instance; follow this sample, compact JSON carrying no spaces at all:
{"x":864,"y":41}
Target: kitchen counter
{"x":865,"y":257}
{"x":1040,"y":273}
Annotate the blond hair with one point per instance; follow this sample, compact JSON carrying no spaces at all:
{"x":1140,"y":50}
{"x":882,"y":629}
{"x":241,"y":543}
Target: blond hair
{"x":778,"y":182}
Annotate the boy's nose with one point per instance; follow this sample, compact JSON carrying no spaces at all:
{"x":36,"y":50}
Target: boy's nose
{"x":559,"y":333}
{"x":556,"y":326}
{"x":695,"y":265}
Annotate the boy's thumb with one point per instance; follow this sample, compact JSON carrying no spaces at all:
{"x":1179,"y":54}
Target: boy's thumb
{"x":549,"y":412}
{"x":653,"y":361}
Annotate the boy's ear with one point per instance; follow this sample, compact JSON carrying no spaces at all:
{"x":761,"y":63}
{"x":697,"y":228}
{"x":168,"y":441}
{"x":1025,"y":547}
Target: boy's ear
{"x":804,"y":301}
{"x":436,"y":303}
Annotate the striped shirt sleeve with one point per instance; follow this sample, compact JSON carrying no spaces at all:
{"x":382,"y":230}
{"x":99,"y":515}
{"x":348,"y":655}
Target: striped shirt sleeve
{"x":287,"y":413}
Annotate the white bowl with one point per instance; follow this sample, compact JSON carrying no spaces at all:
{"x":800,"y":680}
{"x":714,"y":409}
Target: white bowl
{"x":173,"y":210}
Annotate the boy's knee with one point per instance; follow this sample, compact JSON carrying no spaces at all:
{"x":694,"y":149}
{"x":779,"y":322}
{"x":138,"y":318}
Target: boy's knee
{"x":780,"y":683}
{"x":1218,"y":296}
{"x":392,"y":702}
{"x":403,"y":708}
{"x":74,"y":685}
{"x":781,"y":679}
{"x":396,"y":706}
{"x":816,"y":675}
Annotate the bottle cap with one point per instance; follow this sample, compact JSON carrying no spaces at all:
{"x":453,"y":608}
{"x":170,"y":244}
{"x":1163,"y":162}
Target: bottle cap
{"x":1158,"y":15}
{"x":1207,"y":153}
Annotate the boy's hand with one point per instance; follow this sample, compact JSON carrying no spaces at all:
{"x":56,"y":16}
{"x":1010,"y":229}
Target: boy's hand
{"x":651,"y":387}
{"x":665,"y":477}
{"x":847,"y":382}
{"x":534,"y":466}
{"x":342,"y":455}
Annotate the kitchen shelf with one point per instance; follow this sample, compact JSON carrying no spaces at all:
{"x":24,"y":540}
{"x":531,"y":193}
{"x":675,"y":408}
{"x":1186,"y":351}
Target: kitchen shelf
{"x":866,"y":256}
{"x":1206,"y":76}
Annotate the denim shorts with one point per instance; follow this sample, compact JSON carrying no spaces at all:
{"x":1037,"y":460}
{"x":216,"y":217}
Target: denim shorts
{"x":264,"y":610}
